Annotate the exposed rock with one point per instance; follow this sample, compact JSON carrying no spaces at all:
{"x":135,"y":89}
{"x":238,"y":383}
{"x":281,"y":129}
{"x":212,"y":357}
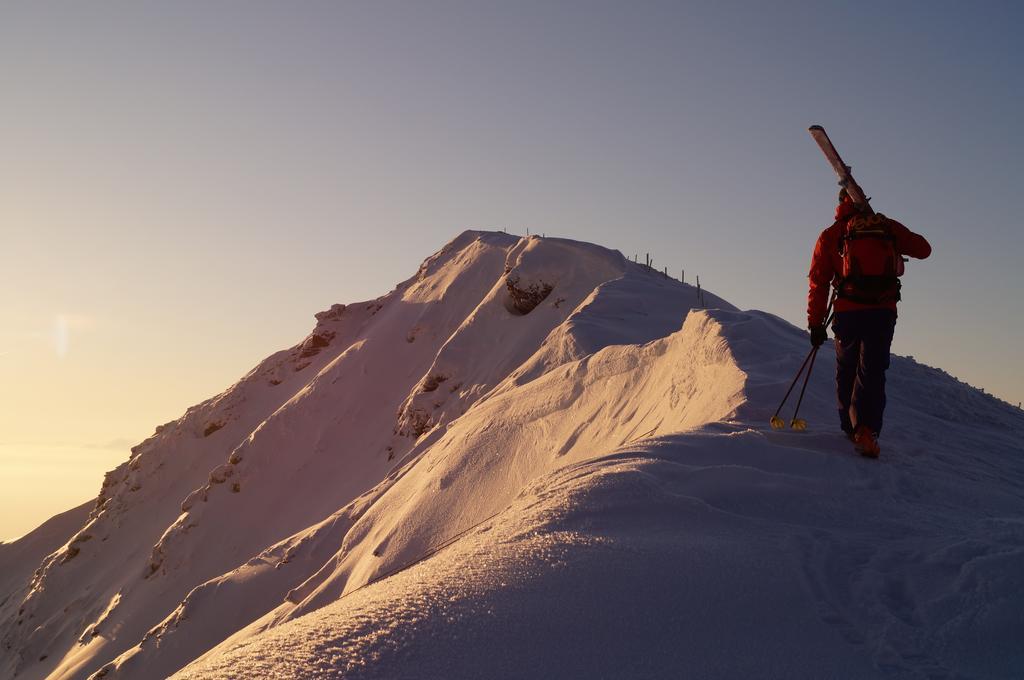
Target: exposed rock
{"x":212,"y":427}
{"x":524,"y":298}
{"x":334,"y":312}
{"x":316,"y":341}
{"x":220,"y":474}
{"x":110,"y":481}
{"x":417,"y":421}
{"x":432,"y":381}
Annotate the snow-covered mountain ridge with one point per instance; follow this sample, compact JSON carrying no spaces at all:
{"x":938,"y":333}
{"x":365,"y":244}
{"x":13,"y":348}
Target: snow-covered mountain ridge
{"x":571,"y":426}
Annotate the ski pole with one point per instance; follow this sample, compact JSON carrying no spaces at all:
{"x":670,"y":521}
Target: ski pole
{"x":778,"y":423}
{"x":799,"y":424}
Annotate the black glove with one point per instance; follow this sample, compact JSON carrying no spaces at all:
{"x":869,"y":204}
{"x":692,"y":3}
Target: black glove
{"x":818,"y":335}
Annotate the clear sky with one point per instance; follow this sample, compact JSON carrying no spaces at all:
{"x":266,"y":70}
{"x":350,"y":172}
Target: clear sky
{"x":184,"y":184}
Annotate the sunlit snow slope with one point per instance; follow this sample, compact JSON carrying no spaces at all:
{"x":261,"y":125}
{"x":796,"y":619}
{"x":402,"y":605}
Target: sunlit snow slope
{"x":537,"y":459}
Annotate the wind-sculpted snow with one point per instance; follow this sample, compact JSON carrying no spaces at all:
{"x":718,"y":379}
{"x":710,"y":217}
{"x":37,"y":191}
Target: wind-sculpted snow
{"x":724,"y":551}
{"x":608,"y":568}
{"x":486,"y":458}
{"x":721,"y":553}
{"x":306,"y":432}
{"x":535,"y":459}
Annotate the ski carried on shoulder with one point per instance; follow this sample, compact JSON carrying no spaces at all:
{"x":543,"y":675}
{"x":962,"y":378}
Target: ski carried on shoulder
{"x":843,"y":171}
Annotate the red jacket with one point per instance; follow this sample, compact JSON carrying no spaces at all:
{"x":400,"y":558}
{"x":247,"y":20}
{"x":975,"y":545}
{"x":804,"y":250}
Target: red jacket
{"x":826,"y":264}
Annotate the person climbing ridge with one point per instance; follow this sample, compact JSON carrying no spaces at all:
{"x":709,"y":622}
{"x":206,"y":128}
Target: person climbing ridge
{"x":861,"y":257}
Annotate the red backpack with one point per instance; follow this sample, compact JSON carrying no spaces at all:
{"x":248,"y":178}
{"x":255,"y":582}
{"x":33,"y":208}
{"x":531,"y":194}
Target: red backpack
{"x":871,"y":264}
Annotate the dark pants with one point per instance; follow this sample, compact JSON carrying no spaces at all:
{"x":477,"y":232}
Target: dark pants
{"x":862,"y":340}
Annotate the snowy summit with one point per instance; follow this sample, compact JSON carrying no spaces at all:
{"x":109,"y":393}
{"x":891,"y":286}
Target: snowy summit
{"x":536,"y":458}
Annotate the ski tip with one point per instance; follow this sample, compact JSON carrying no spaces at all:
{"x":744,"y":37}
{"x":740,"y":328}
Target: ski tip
{"x":816,"y":128}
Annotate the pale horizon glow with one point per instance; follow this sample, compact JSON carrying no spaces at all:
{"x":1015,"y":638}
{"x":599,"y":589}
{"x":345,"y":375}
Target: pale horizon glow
{"x":187,"y":184}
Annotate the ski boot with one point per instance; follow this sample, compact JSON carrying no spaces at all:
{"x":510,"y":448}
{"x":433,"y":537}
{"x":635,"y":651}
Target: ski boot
{"x":865,"y":443}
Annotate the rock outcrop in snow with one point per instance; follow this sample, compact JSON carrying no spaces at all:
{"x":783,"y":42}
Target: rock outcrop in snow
{"x":530,"y":416}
